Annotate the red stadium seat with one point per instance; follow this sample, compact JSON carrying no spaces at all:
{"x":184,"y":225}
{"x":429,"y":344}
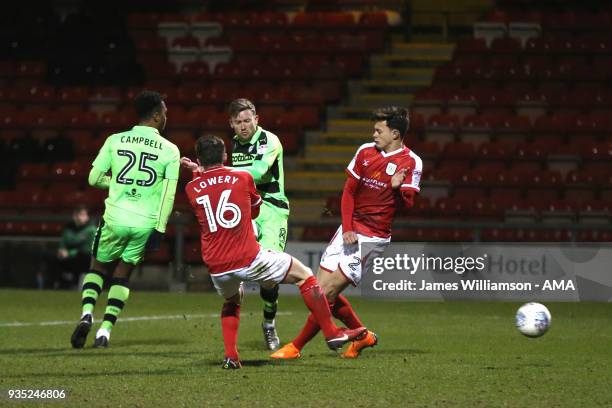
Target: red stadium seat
{"x":372,"y":19}
{"x":471,"y":46}
{"x":495,"y":152}
{"x":32,"y":176}
{"x":459,"y":151}
{"x":506,"y":45}
{"x":73,"y":173}
{"x":305,"y":20}
{"x":323,"y":234}
{"x":268,"y":19}
{"x":553,"y":124}
{"x":336,"y":20}
{"x":161,"y":256}
{"x":561,"y":21}
{"x":30,"y":69}
{"x":192,"y":253}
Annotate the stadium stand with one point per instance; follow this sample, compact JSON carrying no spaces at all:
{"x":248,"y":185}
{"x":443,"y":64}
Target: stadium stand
{"x":512,"y":121}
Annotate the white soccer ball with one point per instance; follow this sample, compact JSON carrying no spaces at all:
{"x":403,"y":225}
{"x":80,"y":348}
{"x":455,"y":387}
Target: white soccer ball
{"x":533,"y":319}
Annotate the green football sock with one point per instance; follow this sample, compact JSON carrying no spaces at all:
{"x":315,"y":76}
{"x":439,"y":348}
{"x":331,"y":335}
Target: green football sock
{"x":92,"y":287}
{"x":117,"y":296}
{"x":270,"y":298}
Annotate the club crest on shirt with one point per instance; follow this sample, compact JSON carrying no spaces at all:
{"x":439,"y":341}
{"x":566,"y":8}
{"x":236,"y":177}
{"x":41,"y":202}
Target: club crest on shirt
{"x":252,"y":149}
{"x":391,"y":167}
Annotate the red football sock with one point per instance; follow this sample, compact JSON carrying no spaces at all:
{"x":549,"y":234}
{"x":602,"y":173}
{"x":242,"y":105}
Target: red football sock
{"x":343,"y":311}
{"x":230,"y":320}
{"x":317,"y":303}
{"x":310,"y":329}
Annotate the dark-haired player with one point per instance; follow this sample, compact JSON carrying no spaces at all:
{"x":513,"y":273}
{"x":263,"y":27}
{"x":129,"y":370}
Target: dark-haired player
{"x":260,"y":152}
{"x":144,"y":169}
{"x":224,"y":201}
{"x":383,"y":175}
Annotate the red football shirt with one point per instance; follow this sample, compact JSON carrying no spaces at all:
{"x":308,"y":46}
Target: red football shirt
{"x":222,"y":199}
{"x":375,"y":200}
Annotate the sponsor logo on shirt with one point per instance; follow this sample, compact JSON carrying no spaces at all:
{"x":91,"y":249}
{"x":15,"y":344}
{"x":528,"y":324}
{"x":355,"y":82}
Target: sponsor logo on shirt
{"x":133,"y":195}
{"x":373,"y":183}
{"x":241,"y":158}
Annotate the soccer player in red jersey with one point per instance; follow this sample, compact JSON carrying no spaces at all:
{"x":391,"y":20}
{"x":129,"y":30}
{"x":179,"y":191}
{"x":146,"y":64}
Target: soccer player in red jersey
{"x":382,"y":176}
{"x":224,"y":201}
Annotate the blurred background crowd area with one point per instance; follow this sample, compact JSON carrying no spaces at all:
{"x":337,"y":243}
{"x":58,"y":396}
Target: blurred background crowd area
{"x":510,"y":105}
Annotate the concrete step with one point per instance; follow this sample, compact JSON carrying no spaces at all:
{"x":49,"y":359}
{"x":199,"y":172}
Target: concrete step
{"x":320,"y":194}
{"x":315,"y":176}
{"x":324,"y":190}
{"x":350,"y":112}
{"x":330,"y":151}
{"x":306,"y":209}
{"x":381,"y":99}
{"x":416,"y":58}
{"x":422,"y":50}
{"x":414,"y":74}
{"x":353,"y":139}
{"x":323,"y":164}
{"x":355,"y":125}
{"x":402,"y":61}
{"x":387,"y":86}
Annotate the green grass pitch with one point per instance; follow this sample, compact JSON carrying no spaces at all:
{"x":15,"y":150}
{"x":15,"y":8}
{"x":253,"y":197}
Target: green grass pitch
{"x":431,"y":354}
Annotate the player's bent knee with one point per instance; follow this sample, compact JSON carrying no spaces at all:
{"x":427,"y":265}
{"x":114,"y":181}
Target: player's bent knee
{"x":230,"y":308}
{"x":332,"y":284}
{"x":236,"y":299}
{"x":298,"y":273}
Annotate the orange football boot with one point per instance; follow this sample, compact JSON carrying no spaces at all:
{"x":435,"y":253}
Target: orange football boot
{"x":369,"y":340}
{"x":287,"y":352}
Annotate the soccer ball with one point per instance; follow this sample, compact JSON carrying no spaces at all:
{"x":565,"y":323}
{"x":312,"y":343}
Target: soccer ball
{"x":533,"y":319}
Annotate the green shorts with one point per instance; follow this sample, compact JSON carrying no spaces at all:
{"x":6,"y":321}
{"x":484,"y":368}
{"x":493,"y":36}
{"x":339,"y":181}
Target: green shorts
{"x":113,"y":242}
{"x":272,"y":227}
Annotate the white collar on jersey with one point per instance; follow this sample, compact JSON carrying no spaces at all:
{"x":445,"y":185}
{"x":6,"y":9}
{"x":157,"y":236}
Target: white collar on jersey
{"x":213,"y":169}
{"x":393,"y":152}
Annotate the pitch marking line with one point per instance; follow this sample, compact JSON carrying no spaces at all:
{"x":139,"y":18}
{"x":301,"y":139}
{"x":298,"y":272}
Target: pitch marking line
{"x":123,"y":319}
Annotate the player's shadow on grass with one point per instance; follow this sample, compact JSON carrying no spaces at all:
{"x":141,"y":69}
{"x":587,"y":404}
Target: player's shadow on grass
{"x":93,"y":353}
{"x":94,"y":374}
{"x":158,"y":341}
{"x":245,"y":363}
{"x":397,"y":351}
{"x":46,"y":350}
{"x":255,"y":345}
{"x":519,"y":367}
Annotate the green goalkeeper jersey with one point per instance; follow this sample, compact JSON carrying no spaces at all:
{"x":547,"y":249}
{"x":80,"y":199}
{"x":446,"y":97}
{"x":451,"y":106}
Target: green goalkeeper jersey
{"x":139,"y":160}
{"x":262,"y":157}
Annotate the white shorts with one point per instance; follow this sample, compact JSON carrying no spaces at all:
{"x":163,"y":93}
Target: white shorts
{"x":268,"y":269}
{"x":351,"y":258}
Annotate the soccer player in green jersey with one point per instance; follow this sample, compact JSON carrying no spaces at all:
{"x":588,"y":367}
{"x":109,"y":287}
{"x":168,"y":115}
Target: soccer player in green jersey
{"x":260,"y":152}
{"x":144,"y":169}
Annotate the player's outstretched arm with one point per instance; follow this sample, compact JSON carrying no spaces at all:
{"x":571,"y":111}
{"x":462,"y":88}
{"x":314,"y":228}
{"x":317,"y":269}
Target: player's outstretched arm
{"x":187,"y":163}
{"x":347,"y":208}
{"x":264,"y":161}
{"x":98,"y":179}
{"x":168,"y":194}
